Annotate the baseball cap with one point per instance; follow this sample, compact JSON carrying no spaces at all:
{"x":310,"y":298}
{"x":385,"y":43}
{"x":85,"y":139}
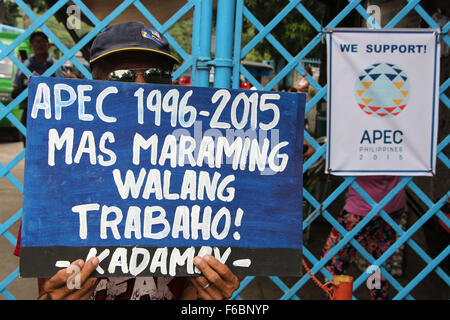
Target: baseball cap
{"x":130,"y":36}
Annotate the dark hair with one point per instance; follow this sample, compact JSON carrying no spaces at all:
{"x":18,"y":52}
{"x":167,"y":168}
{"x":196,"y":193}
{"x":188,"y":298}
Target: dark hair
{"x":38,"y":34}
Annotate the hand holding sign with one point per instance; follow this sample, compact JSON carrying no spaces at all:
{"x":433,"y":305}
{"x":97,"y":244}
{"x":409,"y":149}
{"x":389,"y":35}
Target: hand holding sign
{"x":72,"y":283}
{"x":218,"y":282}
{"x":133,"y":180}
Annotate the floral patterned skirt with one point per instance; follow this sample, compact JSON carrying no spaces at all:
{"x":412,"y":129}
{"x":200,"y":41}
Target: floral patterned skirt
{"x":376,"y":237}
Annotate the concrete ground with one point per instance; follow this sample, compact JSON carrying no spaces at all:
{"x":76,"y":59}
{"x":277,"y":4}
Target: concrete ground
{"x":11,"y":202}
{"x":432,"y":287}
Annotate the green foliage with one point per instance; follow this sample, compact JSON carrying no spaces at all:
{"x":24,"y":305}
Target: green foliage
{"x":294,"y":32}
{"x":181,"y":31}
{"x":14,"y":16}
{"x":60,"y":32}
{"x":63,"y":35}
{"x":11,"y":13}
{"x":37,"y":5}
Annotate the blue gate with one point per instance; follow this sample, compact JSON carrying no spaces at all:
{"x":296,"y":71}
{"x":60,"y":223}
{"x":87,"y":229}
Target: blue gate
{"x":228,"y":70}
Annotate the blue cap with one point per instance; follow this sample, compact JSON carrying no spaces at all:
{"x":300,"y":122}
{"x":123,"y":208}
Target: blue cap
{"x":130,"y":36}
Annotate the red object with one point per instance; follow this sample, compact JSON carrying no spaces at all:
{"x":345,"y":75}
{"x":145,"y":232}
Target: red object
{"x":390,"y":109}
{"x":342,"y":289}
{"x":443,"y":225}
{"x":17,"y":250}
{"x":244,"y":85}
{"x":185,"y":81}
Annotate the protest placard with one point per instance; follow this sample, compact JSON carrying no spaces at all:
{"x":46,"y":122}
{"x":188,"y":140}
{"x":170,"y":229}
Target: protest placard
{"x":383,"y":100}
{"x":146,"y":177}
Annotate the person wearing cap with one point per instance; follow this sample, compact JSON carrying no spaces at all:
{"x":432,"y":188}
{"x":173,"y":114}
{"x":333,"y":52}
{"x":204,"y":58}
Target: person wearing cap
{"x":130,"y":51}
{"x":37,"y":63}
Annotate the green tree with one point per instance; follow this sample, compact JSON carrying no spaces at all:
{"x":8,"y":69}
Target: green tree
{"x":294,"y":32}
{"x":14,"y":16}
{"x":37,"y":5}
{"x":9,"y":12}
{"x":181,"y":31}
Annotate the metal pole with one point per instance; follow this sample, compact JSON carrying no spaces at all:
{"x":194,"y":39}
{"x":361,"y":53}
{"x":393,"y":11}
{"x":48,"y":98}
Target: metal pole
{"x":237,"y":44}
{"x":224,"y":43}
{"x":203,"y":30}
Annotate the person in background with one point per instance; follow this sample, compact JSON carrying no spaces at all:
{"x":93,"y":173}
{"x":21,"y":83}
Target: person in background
{"x":376,"y":237}
{"x":38,"y":63}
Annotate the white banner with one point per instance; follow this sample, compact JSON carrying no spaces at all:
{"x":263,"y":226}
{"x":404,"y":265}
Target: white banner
{"x":383,"y":101}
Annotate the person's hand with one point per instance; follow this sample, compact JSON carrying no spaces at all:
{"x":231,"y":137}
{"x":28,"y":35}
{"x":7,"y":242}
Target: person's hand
{"x":67,"y":285}
{"x":217,"y":282}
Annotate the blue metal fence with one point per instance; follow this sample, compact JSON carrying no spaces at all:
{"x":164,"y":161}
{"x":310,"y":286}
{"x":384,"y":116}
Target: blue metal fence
{"x":228,"y":68}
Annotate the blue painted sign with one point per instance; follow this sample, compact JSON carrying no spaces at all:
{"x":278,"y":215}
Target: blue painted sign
{"x":146,"y":177}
